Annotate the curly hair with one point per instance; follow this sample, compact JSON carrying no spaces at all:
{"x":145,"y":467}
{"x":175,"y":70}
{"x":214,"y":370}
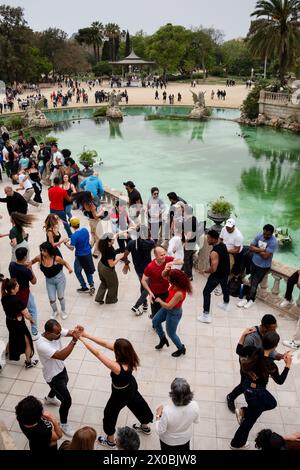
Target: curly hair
{"x":180,"y":279}
{"x":269,"y":440}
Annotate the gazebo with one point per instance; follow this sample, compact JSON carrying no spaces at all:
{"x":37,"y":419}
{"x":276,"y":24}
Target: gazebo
{"x":135,"y":64}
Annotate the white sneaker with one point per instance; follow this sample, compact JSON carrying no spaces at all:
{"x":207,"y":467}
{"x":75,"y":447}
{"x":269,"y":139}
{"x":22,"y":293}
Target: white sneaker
{"x":52,"y":401}
{"x":249,"y":304}
{"x":245,"y":447}
{"x":225,"y":307}
{"x":64,"y":315}
{"x":218,"y":290}
{"x":67,"y":430}
{"x":205,"y":318}
{"x":291,"y":344}
{"x":53,"y":315}
{"x":242,"y":303}
{"x":285,"y":303}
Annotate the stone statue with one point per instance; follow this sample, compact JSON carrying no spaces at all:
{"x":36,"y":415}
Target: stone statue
{"x":34,"y":117}
{"x":199,"y":111}
{"x":113,"y":111}
{"x":199,"y":100}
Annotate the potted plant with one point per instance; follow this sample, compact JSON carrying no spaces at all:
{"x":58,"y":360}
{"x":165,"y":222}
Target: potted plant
{"x":219,"y":211}
{"x":87,"y":158}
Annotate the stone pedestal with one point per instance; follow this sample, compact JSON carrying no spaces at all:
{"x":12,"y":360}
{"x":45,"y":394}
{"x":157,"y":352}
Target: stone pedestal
{"x":198,"y":112}
{"x":114,"y":112}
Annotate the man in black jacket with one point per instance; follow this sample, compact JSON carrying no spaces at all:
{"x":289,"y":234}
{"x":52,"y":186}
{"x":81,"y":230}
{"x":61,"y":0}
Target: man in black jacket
{"x":15,"y":201}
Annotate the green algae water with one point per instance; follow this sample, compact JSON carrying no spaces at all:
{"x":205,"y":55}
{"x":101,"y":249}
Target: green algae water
{"x":257,"y":169}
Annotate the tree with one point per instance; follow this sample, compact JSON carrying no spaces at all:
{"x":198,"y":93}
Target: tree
{"x":51,"y":43}
{"x":102,"y":68}
{"x":127,"y":44}
{"x":276,"y":31}
{"x":237,"y":57}
{"x":113,"y":32}
{"x":37,"y":65}
{"x":201,"y":50}
{"x":73,"y":59}
{"x":168,"y":47}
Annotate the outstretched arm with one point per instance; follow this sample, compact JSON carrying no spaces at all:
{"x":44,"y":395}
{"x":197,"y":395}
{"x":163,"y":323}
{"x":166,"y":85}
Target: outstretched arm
{"x":112,"y":365}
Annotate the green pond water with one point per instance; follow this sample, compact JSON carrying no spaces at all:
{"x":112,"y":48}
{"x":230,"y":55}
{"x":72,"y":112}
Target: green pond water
{"x":257,"y":169}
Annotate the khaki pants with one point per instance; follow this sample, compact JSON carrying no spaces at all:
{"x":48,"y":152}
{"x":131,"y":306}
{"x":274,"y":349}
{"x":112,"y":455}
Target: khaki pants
{"x":96,"y":234}
{"x":28,"y":195}
{"x":109,"y":283}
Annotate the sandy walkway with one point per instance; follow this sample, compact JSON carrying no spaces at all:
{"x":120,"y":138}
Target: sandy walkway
{"x":146,"y":96}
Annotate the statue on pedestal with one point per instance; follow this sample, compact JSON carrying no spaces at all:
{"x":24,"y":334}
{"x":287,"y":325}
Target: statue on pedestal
{"x":113,"y":111}
{"x":199,"y":111}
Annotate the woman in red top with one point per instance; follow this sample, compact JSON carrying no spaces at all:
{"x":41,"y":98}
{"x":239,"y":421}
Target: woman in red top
{"x":171,"y":309}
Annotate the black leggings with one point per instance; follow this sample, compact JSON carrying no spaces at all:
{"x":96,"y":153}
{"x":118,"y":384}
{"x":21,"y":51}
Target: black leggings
{"x":59,"y":388}
{"x":182,"y":447}
{"x":120,"y":398}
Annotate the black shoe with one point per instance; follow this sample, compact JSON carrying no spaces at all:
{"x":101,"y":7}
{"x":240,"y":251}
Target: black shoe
{"x":179,"y":352}
{"x":163,"y":342}
{"x":230,"y":404}
{"x":83,"y":289}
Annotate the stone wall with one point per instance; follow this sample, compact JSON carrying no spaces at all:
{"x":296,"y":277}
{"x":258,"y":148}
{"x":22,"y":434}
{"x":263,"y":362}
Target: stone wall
{"x":278,"y":105}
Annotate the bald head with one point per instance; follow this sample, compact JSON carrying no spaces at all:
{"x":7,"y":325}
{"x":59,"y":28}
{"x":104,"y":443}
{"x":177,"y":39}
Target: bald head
{"x":160,"y":254}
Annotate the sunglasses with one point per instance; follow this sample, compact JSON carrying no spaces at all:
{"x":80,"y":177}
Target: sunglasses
{"x":155,"y":194}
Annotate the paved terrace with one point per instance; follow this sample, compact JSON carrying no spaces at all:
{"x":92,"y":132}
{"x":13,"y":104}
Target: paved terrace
{"x":210,"y":365}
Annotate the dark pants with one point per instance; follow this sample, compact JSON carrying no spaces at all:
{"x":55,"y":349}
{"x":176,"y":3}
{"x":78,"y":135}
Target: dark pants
{"x":212,"y":283}
{"x":188,"y":262}
{"x":63,"y":217}
{"x":167,"y":448}
{"x":59,"y":389}
{"x":142,"y":300}
{"x":238,"y":390}
{"x":258,"y":400}
{"x":155,"y":307}
{"x":238,"y":266}
{"x":120,"y":398}
{"x":257,"y":275}
{"x":291,"y":283}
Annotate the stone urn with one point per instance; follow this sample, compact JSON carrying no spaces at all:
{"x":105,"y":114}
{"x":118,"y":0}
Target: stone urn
{"x":218,"y":219}
{"x":88,"y":170}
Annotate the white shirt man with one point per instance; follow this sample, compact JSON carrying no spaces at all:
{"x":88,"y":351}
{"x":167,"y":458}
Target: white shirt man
{"x":232,"y":237}
{"x":57,"y":161}
{"x":26,"y":185}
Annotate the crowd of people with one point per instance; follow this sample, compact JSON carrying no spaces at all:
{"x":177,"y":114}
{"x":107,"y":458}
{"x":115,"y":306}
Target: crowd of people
{"x":160,"y":242}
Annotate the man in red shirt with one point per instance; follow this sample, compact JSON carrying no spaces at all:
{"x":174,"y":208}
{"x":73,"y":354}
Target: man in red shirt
{"x":57,"y":196}
{"x":153,"y":281}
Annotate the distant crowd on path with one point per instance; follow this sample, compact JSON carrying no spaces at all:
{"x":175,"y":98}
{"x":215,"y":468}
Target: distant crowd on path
{"x":160,"y":242}
{"x":221,"y":94}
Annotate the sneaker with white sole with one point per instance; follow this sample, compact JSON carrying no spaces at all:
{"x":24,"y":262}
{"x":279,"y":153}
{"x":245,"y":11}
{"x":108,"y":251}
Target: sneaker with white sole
{"x":242,"y":303}
{"x":245,"y":447}
{"x":285,"y":303}
{"x":205,"y":318}
{"x":67,"y":430}
{"x":64,"y":315}
{"x":53,"y":315}
{"x":225,"y":307}
{"x":52,"y":401}
{"x":249,"y":304}
{"x":103,"y":441}
{"x":291,"y":344}
{"x":92,"y":290}
{"x":140,"y":428}
{"x":218,"y":291}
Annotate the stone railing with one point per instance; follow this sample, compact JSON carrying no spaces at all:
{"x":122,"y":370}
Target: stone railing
{"x":6,"y":440}
{"x":269,"y":290}
{"x":111,"y":196}
{"x":271,"y":97}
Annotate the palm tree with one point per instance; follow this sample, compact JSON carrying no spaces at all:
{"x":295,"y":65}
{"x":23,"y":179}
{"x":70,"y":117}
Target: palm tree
{"x":97,"y":33}
{"x":276,"y":31}
{"x":113,"y":32}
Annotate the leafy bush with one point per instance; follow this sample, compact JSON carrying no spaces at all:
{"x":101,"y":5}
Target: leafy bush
{"x":88,"y":157}
{"x":221,"y":207}
{"x":102,"y":68}
{"x":49,"y":140}
{"x":217,"y":71}
{"x":14,"y":123}
{"x":250,"y":107}
{"x":100,"y":112}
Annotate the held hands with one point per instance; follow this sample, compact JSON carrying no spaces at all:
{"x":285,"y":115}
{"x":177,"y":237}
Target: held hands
{"x":158,"y":300}
{"x":48,"y":416}
{"x":248,"y":331}
{"x":287,"y":357}
{"x":120,"y":256}
{"x":152,"y":298}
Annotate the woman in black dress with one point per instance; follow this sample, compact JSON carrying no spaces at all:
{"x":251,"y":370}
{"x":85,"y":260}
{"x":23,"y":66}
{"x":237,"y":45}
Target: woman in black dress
{"x":19,"y":341}
{"x":34,"y":175}
{"x":124,"y":391}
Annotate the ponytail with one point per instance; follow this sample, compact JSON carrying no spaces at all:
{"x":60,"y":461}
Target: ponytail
{"x":7,"y":286}
{"x":255,"y":364}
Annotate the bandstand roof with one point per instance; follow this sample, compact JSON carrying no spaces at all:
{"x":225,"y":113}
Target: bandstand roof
{"x":132,"y":59}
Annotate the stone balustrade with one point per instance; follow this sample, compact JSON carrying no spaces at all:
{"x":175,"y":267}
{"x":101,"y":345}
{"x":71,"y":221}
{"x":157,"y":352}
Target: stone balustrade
{"x":271,"y":96}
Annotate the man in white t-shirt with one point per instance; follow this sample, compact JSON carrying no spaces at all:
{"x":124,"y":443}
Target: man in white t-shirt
{"x":52,"y":355}
{"x":57,"y":160}
{"x":233,"y":239}
{"x":26,"y":185}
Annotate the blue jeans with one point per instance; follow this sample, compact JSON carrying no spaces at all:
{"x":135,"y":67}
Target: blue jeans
{"x":63,"y":218}
{"x":56,"y":286}
{"x":172,"y":318}
{"x":78,"y":269}
{"x":258,"y":400}
{"x":33,"y":311}
{"x":68,"y":211}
